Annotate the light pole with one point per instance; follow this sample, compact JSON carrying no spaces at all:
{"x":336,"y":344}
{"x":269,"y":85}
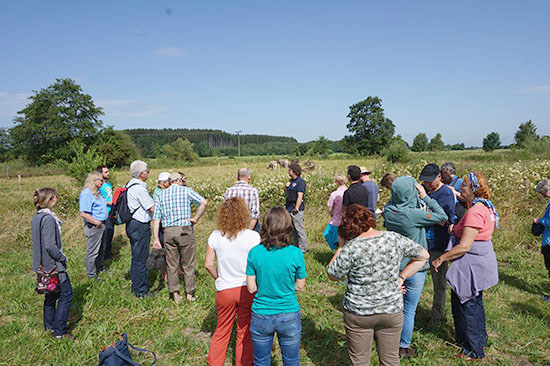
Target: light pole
{"x":239,"y":140}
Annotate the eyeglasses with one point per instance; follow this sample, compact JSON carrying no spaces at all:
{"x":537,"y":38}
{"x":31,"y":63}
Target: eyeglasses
{"x":100,"y":179}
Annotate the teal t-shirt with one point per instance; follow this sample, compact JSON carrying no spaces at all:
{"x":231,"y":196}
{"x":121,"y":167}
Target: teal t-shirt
{"x":276,"y":272}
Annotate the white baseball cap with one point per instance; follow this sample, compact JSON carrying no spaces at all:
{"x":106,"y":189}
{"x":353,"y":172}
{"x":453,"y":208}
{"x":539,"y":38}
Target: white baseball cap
{"x":164,"y":176}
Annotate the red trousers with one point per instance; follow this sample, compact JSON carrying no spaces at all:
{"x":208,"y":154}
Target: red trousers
{"x":234,"y":301}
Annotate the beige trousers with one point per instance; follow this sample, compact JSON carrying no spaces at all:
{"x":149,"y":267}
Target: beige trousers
{"x":180,"y":247}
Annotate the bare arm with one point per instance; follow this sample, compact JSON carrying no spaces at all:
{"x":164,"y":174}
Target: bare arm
{"x":252,"y":224}
{"x":156,"y":229}
{"x":341,"y":243}
{"x":300,"y":284}
{"x":200,"y":211}
{"x":414,"y":265}
{"x":299,"y":200}
{"x":251,"y":284}
{"x":209,"y":260}
{"x":86,"y":216}
{"x":468,"y":236}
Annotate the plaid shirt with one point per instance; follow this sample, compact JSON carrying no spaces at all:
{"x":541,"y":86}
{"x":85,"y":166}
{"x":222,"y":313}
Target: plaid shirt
{"x":173,"y":205}
{"x":249,"y":194}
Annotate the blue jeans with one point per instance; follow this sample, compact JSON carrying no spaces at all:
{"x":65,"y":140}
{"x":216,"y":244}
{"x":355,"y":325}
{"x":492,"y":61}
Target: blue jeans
{"x":289,"y":331}
{"x":469,"y":319}
{"x":140,"y":237}
{"x":55,"y":317}
{"x":414,"y":286}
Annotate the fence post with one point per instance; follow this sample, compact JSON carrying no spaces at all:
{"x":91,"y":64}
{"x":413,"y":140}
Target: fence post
{"x":8,"y":171}
{"x":527,"y":185}
{"x":20,"y":187}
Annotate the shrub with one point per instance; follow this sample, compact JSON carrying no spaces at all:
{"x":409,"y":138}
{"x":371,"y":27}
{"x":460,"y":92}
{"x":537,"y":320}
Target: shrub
{"x":396,"y":152}
{"x":83,"y":161}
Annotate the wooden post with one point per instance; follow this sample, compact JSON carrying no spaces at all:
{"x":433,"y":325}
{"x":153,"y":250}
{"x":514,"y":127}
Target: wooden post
{"x":8,"y":171}
{"x":219,"y":169}
{"x":527,"y":185}
{"x":20,"y":187}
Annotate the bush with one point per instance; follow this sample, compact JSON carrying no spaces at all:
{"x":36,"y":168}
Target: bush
{"x":83,"y":161}
{"x":537,"y":146}
{"x":397,"y":152}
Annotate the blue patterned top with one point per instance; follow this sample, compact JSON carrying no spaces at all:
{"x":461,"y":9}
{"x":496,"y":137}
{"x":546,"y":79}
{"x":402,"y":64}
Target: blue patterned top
{"x":173,"y":205}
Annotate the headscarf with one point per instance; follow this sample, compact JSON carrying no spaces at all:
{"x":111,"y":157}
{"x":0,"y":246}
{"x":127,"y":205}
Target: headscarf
{"x":474,"y":185}
{"x":50,"y":212}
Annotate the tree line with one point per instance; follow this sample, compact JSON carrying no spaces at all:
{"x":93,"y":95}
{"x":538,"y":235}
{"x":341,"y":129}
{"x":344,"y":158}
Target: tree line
{"x":61,"y":125}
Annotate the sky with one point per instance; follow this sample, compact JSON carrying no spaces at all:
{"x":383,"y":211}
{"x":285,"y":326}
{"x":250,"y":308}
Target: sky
{"x":288,"y":68}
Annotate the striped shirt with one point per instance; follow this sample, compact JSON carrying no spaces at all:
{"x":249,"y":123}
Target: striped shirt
{"x":249,"y":194}
{"x":173,"y":205}
{"x":139,"y":200}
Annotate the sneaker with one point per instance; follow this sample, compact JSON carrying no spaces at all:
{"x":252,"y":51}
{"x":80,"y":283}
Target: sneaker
{"x":191,"y":297}
{"x":67,"y":336}
{"x":409,"y":352}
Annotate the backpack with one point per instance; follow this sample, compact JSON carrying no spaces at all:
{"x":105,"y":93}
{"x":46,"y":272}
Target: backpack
{"x":120,"y":211}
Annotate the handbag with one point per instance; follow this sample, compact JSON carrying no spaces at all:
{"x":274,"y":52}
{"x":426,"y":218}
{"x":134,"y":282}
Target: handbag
{"x":46,"y":282}
{"x":118,"y":354}
{"x":156,"y":259}
{"x":537,"y":229}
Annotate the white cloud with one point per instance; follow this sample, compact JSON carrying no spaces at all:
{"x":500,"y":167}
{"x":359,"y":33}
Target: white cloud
{"x":170,"y":52}
{"x":535,"y":89}
{"x":10,"y":103}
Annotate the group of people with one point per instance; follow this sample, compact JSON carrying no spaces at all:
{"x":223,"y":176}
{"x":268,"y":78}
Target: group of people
{"x":258,"y":265}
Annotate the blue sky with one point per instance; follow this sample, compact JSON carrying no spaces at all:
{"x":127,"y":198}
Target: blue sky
{"x":293,"y":68}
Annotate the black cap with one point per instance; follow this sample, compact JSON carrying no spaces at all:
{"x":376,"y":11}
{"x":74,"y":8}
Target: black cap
{"x":429,"y":172}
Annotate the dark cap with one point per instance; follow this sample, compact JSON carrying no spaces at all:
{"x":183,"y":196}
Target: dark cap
{"x":429,"y":173}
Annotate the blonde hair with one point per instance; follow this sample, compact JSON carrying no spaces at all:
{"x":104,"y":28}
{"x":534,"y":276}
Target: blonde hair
{"x":90,"y":182}
{"x":43,"y":196}
{"x":340,"y":179}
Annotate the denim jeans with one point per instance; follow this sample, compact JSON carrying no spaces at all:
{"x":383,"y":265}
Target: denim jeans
{"x":414,"y":286}
{"x":469,"y":319}
{"x":56,"y":308}
{"x":289,"y":331}
{"x":139,"y":234}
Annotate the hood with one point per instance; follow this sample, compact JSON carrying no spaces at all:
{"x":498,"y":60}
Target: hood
{"x":404,"y":193}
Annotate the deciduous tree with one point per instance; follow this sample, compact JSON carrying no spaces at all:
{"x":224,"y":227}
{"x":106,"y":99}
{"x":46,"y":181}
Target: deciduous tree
{"x":436,"y":143}
{"x":420,"y":142}
{"x":491,"y":141}
{"x":370,"y":130}
{"x":526,"y":131}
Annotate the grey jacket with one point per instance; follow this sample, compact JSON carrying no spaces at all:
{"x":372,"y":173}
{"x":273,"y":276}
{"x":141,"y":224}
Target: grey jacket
{"x":51,"y":244}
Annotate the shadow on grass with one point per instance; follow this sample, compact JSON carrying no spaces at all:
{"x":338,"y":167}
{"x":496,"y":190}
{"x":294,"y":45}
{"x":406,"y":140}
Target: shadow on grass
{"x":77,"y":306}
{"x":324,"y":347}
{"x":527,"y":309}
{"x":210,"y":321}
{"x":441,"y":330}
{"x":323,"y":256}
{"x":118,"y":242}
{"x":520,"y":284}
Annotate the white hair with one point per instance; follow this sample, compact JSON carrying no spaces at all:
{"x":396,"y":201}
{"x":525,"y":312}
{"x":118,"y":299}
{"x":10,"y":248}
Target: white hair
{"x":243,"y":173}
{"x":137,"y":167}
{"x":543,"y":186}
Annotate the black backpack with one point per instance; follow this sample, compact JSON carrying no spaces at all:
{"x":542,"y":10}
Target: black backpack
{"x":120,"y":211}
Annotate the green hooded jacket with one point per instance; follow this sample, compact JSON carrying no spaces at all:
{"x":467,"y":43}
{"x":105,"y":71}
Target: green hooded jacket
{"x":403,"y":215}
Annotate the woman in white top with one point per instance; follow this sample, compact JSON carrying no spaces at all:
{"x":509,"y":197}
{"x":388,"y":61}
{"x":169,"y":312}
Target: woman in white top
{"x":230,"y":244}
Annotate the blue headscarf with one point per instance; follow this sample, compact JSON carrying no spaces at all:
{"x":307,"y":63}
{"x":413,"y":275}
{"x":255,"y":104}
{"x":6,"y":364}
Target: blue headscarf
{"x":475,"y":184}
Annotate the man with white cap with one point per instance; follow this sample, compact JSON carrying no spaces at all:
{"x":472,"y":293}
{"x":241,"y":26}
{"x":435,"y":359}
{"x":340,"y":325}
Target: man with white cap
{"x":163,"y":182}
{"x":173,"y":208}
{"x":372,"y":188}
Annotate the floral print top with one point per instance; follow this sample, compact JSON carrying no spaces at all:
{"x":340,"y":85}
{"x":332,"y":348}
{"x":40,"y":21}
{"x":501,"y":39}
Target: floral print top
{"x":372,"y":267}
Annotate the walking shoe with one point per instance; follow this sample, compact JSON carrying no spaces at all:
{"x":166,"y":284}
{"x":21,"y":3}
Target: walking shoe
{"x":177,"y":297}
{"x":190,"y":297}
{"x":67,"y":336}
{"x":407,"y":352}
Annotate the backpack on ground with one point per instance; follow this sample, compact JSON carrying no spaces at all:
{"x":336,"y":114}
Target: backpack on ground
{"x":120,"y":211}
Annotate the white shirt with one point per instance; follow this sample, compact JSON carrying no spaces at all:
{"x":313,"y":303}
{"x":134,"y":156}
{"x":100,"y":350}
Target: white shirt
{"x":231,"y":256}
{"x":139,"y":201}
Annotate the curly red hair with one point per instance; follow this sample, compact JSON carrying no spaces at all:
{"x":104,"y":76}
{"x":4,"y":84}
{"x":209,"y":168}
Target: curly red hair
{"x":483,"y":190}
{"x":356,"y":220}
{"x":233,"y":217}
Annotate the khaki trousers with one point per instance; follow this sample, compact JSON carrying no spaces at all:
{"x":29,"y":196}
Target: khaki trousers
{"x":384,"y":328}
{"x":180,"y":247}
{"x":440,"y":287}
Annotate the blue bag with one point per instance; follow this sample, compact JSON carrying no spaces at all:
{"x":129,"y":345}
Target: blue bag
{"x":118,"y":354}
{"x":331,"y":236}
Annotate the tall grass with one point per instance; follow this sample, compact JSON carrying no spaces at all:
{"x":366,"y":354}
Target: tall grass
{"x":517,"y":318}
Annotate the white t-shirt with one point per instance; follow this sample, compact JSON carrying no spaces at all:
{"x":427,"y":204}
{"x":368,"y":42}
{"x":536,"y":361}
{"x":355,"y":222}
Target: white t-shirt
{"x":231,"y":256}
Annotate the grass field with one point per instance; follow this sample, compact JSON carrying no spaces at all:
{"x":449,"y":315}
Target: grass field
{"x":518,"y":321}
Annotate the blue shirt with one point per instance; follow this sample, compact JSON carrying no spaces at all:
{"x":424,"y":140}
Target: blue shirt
{"x":456,"y":183}
{"x":372,"y":189}
{"x":173,"y":205}
{"x":296,"y":185}
{"x":276,"y":271}
{"x":95,"y":206}
{"x":107,"y":193}
{"x":437,"y":236}
{"x":545,"y":220}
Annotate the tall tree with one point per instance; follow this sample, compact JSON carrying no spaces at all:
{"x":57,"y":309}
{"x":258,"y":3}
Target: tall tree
{"x":370,"y":130}
{"x":116,"y":147}
{"x":526,"y":131}
{"x":436,"y":143}
{"x":491,"y":141}
{"x":55,"y":116}
{"x":5,"y":144}
{"x":420,"y":142}
{"x":180,"y":150}
{"x":320,"y":147}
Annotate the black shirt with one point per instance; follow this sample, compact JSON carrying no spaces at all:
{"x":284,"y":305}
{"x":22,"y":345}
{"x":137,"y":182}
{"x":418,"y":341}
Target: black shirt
{"x":356,"y":194}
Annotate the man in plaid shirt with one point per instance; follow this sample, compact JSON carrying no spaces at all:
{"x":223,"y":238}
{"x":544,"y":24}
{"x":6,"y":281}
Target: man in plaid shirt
{"x":173,"y":207}
{"x":249,"y":194}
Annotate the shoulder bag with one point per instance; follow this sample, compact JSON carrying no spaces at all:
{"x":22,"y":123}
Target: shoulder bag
{"x":118,"y":354}
{"x":46,"y":282}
